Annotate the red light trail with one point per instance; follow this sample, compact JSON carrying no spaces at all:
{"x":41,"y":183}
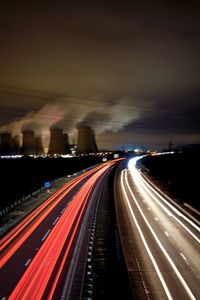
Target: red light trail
{"x":47,"y":264}
{"x":29,"y":224}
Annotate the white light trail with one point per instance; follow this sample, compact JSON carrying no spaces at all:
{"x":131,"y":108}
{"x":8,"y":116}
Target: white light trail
{"x":170,"y":205}
{"x":187,"y":289}
{"x":142,"y":184}
{"x":146,"y":245}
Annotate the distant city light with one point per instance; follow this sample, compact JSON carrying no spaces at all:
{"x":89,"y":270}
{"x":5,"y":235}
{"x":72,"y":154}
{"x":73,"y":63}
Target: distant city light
{"x":10,"y":156}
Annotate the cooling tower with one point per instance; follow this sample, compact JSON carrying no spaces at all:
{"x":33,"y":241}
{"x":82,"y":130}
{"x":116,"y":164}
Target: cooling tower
{"x":86,"y":140}
{"x":16,"y":140}
{"x":57,"y":143}
{"x":94,"y":141}
{"x":39,"y":149}
{"x":6,"y":144}
{"x":66,"y":142}
{"x":28,"y":144}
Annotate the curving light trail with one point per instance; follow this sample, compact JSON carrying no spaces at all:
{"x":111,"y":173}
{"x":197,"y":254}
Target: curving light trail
{"x":144,"y":186}
{"x":34,"y":214}
{"x":148,"y":204}
{"x":43,"y":271}
{"x":35,"y":280}
{"x":15,"y":238}
{"x":144,"y":240}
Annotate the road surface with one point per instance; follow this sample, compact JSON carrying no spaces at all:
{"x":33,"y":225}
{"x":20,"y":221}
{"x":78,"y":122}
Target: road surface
{"x":37,"y":254}
{"x":161,"y":242}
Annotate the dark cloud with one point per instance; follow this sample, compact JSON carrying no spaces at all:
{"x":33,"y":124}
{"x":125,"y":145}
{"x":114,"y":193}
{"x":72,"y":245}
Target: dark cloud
{"x":116,"y":65}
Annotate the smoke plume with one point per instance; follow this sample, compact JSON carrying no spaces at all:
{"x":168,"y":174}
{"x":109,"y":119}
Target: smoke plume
{"x":70,"y":114}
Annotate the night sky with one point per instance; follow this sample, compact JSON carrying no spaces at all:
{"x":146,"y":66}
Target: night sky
{"x":129,"y":69}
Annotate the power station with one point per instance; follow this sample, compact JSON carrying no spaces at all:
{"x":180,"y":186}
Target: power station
{"x":39,"y":148}
{"x":6,"y":147}
{"x":86,"y":140}
{"x":28,"y":143}
{"x":66,"y":142}
{"x":59,"y":144}
{"x":16,"y":141}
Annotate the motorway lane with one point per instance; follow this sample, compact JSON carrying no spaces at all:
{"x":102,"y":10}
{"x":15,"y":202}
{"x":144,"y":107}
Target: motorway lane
{"x":31,"y":247}
{"x":40,"y":221}
{"x":180,"y":228}
{"x":33,"y":283}
{"x":27,"y":221}
{"x":26,"y":244}
{"x":167,"y":253}
{"x":19,"y":228}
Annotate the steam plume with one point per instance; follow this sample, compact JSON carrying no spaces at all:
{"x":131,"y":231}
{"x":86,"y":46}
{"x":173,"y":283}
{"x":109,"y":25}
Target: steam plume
{"x":69,"y":114}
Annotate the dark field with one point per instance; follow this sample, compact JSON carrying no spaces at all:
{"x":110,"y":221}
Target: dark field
{"x":19,"y":177}
{"x":178,"y":174}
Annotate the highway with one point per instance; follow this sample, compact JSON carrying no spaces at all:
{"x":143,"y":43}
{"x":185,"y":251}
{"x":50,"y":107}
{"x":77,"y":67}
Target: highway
{"x":161,"y":242}
{"x":38,"y":253}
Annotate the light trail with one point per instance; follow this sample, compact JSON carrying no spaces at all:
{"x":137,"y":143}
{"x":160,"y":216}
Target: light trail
{"x":26,"y":227}
{"x":174,"y":204}
{"x":182,"y":231}
{"x":146,"y":192}
{"x":47,"y":265}
{"x":17,"y":243}
{"x":168,"y":294}
{"x":27,"y":220}
{"x":143,"y":186}
{"x":174,"y":267}
{"x":53,"y":286}
{"x":137,"y":177}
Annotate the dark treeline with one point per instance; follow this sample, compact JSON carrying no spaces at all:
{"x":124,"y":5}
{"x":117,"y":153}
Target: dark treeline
{"x":19,"y":177}
{"x":178,"y":173}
